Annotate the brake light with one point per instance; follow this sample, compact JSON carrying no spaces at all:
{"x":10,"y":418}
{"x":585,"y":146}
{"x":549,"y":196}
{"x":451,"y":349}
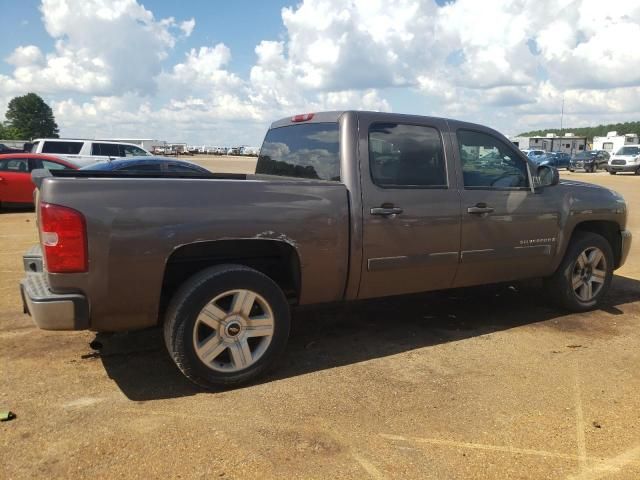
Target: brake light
{"x":304,"y":117}
{"x":64,"y":239}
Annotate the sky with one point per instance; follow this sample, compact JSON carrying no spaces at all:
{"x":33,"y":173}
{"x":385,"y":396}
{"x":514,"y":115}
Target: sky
{"x":218,"y":72}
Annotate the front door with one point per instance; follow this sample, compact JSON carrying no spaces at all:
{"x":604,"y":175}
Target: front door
{"x":508,"y":231}
{"x":411,"y":207}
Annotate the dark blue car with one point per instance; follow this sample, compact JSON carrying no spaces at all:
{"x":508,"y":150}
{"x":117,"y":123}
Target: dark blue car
{"x":148,"y":165}
{"x":554,"y":159}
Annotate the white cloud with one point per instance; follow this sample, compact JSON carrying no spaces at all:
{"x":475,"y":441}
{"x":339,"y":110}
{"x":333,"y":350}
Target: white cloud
{"x":507,"y":63}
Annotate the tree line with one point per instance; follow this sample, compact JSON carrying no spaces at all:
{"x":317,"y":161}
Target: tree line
{"x":28,"y":117}
{"x":589,"y":132}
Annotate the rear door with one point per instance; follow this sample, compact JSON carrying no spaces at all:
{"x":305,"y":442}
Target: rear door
{"x":411,"y":207}
{"x":509,"y":231}
{"x":15,"y":180}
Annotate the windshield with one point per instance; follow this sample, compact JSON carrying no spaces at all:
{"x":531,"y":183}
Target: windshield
{"x":308,"y":150}
{"x":629,"y":151}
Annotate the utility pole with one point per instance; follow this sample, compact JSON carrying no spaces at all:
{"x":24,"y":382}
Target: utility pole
{"x":562,"y":115}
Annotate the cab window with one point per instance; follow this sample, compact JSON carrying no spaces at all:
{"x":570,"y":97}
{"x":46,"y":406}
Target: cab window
{"x":406,"y":156}
{"x":488,"y":163}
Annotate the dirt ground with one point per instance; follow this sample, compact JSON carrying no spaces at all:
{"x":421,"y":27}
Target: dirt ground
{"x":480,"y":383}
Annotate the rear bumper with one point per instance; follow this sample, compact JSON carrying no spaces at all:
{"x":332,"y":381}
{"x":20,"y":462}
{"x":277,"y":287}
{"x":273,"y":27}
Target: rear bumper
{"x":625,"y":236}
{"x":52,"y":311}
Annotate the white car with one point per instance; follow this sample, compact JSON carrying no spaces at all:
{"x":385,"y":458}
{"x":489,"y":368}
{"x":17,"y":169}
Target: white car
{"x":626,"y":159}
{"x":86,"y":152}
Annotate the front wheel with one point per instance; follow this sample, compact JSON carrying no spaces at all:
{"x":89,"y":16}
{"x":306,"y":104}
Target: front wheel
{"x":227,"y":325}
{"x":584,"y":276}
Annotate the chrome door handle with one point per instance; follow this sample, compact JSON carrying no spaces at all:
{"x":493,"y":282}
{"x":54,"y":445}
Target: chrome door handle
{"x":386,"y":211}
{"x":480,"y":208}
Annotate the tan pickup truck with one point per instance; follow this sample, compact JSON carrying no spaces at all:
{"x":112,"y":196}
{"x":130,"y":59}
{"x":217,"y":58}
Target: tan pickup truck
{"x":343,"y":206}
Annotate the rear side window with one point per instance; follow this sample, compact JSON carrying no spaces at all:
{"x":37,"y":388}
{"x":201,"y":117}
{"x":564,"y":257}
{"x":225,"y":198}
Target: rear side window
{"x":406,"y":156}
{"x":54,"y":165}
{"x":14,"y":165}
{"x":310,"y":150}
{"x":65,"y":148}
{"x":145,"y":167}
{"x":106,"y":149}
{"x":172,"y":167}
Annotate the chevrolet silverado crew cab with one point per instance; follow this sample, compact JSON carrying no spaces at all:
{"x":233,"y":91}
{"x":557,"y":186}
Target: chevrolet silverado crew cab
{"x":343,"y":206}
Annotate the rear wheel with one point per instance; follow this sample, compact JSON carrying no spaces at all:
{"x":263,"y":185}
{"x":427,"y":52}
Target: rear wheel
{"x":584,"y":276}
{"x":227,"y":325}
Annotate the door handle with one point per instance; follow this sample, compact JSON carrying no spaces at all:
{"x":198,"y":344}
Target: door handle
{"x":480,"y":208}
{"x":386,"y":211}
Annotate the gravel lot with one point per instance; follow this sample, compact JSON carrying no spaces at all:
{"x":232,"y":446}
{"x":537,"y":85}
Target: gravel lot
{"x":480,"y":383}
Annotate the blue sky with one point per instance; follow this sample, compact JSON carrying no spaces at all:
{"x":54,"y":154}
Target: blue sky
{"x":218,"y":72}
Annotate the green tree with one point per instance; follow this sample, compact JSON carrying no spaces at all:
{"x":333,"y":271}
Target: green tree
{"x":29,"y":117}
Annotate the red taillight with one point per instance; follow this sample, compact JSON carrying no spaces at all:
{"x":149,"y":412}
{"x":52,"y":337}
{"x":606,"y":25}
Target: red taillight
{"x":305,"y":117}
{"x":64,"y":239}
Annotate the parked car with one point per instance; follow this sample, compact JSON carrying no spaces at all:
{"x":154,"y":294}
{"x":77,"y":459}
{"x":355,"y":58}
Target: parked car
{"x":16,"y":186}
{"x":148,"y":165}
{"x":589,"y":161}
{"x":534,"y":153}
{"x":4,"y":149}
{"x":87,"y":152}
{"x":626,"y":159}
{"x":554,"y":159}
{"x":343,"y":206}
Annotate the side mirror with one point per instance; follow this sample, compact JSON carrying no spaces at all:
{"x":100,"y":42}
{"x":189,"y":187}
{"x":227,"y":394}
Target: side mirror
{"x":547,"y":176}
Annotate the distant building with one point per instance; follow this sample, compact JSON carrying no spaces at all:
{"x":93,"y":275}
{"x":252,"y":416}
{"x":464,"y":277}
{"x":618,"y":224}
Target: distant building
{"x":567,"y":143}
{"x":612,"y":142}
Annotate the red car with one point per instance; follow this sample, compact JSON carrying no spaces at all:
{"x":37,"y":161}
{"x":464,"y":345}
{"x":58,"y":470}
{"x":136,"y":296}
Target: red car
{"x":15,"y":174}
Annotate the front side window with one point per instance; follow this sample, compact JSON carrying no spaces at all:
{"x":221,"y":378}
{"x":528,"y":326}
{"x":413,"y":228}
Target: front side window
{"x":406,"y":156}
{"x":309,"y":150}
{"x":132,"y":151}
{"x":487,"y":162}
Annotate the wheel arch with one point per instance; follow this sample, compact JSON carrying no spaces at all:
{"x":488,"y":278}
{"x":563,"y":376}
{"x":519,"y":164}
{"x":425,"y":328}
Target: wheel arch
{"x":608,"y":229}
{"x":276,"y":259}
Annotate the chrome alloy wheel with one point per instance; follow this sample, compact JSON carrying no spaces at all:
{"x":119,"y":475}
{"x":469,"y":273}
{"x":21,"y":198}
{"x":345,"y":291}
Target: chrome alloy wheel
{"x":233,"y":330}
{"x":589,"y":274}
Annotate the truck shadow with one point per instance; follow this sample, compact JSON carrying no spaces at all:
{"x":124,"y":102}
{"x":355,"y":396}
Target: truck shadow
{"x":334,"y":336}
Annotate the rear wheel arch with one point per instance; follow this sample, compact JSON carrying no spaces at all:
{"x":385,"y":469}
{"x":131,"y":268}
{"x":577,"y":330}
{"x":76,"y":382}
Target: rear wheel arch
{"x":276,"y":259}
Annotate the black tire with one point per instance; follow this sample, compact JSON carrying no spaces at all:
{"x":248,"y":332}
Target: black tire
{"x":191,"y":298}
{"x":571,"y":170}
{"x":611,"y":172}
{"x":559,"y":285}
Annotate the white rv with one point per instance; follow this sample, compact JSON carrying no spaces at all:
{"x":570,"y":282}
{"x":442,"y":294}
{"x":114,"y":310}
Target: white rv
{"x":613,"y":142}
